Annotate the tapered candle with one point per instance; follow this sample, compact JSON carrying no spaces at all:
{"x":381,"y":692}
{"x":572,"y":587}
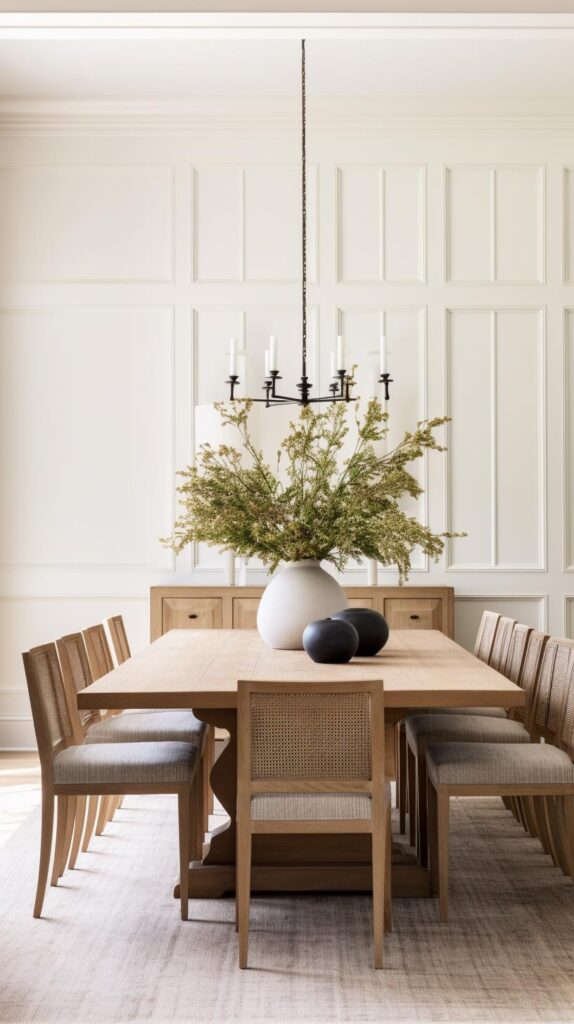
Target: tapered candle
{"x":272,"y":352}
{"x":232,"y":357}
{"x":333,"y":367}
{"x":267,"y":371}
{"x":340,"y":353}
{"x":384,"y":355}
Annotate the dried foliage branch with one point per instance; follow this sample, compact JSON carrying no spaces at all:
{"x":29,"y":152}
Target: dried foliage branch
{"x":322,"y":505}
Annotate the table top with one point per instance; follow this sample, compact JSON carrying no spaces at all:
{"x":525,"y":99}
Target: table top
{"x":200,"y":668}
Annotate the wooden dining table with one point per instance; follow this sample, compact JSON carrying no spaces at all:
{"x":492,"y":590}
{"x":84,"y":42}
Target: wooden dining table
{"x":200,"y":669}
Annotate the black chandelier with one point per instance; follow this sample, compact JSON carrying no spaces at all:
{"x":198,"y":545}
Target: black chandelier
{"x":342,"y":382}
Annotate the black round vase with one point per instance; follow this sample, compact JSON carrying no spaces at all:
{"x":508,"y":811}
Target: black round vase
{"x":372,"y":627}
{"x":330,"y":641}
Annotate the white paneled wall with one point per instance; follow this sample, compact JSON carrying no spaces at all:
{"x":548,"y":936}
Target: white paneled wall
{"x":129,"y":257}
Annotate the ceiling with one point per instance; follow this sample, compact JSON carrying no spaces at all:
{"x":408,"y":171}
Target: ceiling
{"x":107,"y":69}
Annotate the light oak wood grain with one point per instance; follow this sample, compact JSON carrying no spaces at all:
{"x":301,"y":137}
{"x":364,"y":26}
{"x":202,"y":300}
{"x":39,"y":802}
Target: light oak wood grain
{"x":200,"y":668}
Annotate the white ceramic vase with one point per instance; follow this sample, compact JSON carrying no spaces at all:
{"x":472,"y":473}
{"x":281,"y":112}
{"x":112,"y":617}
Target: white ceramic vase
{"x":300,"y":593}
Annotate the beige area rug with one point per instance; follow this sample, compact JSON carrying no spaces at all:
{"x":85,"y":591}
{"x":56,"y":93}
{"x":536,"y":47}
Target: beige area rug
{"x":113,"y":949}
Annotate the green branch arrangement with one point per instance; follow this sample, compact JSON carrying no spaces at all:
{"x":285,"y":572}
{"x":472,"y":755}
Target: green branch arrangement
{"x":321,"y":506}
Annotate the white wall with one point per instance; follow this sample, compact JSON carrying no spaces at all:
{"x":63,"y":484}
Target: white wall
{"x":129,"y":255}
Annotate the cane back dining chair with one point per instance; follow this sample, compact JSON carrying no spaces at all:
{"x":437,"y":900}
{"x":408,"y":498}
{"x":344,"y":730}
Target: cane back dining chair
{"x":541,"y":773}
{"x":483,"y":649}
{"x":134,"y":727}
{"x":70,"y":769}
{"x":122,"y":652}
{"x":311,"y":760}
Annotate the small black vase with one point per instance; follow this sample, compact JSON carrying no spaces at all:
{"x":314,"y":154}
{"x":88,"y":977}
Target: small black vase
{"x":330,"y":641}
{"x":372,"y":627}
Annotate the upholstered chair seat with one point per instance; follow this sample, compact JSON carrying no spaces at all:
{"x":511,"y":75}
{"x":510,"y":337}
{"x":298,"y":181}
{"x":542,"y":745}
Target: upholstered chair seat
{"x":425,"y":729}
{"x":149,"y":726}
{"x":312,"y":806}
{"x":495,"y":764}
{"x":118,"y":764}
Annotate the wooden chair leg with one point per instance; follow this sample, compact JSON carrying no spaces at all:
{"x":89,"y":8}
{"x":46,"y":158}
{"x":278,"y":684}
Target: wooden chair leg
{"x":536,"y":805}
{"x":203,"y":790}
{"x":568,"y":822}
{"x":112,"y":808}
{"x":433,"y":835}
{"x":412,"y":790}
{"x":197,"y":816}
{"x":553,"y":815}
{"x":243,"y":889}
{"x":81,"y":803}
{"x":90,"y":822}
{"x":102,"y":815}
{"x":378,"y":859}
{"x":45,"y":848}
{"x":388,"y":871}
{"x":70,"y":819}
{"x":62,"y":814}
{"x":443,"y":843}
{"x":422,"y":831}
{"x":402,"y":778}
{"x":184,"y":802}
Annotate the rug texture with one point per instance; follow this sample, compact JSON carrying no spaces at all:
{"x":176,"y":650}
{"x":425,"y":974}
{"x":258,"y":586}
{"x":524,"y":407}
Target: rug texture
{"x":111,"y":946}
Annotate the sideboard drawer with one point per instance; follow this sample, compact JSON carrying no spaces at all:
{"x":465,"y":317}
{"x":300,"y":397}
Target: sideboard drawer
{"x":414,"y":613}
{"x":244,"y":614}
{"x":192,"y":613}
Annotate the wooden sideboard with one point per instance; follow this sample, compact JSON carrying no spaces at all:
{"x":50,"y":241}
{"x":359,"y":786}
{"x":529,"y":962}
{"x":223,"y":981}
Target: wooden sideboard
{"x":236,"y":607}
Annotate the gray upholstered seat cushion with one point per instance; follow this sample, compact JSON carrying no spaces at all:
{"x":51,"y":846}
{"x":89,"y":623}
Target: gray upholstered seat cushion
{"x":308,"y":806}
{"x":126,"y":764}
{"x":425,"y":729}
{"x":459,"y":764}
{"x":148,"y":727}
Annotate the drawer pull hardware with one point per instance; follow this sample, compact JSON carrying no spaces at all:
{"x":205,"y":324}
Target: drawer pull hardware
{"x":412,"y":616}
{"x":192,"y":616}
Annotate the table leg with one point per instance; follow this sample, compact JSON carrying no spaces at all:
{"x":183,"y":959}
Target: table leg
{"x":289,"y":862}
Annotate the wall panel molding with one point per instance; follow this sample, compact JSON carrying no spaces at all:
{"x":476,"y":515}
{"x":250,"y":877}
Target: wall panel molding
{"x":501,"y":237}
{"x":369,"y":208}
{"x":484,"y":394}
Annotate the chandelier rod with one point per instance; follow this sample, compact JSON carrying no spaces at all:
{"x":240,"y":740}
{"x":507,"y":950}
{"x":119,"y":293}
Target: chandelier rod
{"x":304,"y":209}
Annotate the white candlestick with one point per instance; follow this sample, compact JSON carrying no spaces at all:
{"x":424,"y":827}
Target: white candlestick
{"x":272,"y":352}
{"x":267,"y":371}
{"x":384,"y":355}
{"x":372,"y":572}
{"x":340,"y":353}
{"x":233,"y":357}
{"x":229,"y":569}
{"x":333,"y":367}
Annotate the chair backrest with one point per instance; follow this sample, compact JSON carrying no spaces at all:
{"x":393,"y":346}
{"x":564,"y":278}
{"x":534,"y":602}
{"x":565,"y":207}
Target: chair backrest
{"x":98,"y":648}
{"x":517,"y":652}
{"x":523,"y":666}
{"x":48,"y":699}
{"x":310,"y":737}
{"x":77,"y":675}
{"x":550,"y":691}
{"x":486,"y":634}
{"x":119,"y":639}
{"x":501,"y":643}
{"x":566,"y":735}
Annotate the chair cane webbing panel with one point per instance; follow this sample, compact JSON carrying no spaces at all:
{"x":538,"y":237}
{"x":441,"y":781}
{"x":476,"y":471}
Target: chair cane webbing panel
{"x":320,"y":736}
